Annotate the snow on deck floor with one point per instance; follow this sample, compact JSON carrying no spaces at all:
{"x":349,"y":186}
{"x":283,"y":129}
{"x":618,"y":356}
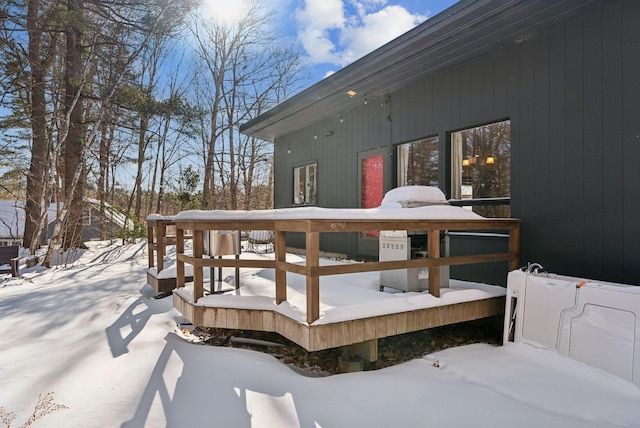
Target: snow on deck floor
{"x":342,"y":297}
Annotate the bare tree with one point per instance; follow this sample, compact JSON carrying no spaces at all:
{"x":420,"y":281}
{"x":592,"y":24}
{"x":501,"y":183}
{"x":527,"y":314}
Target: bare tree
{"x":39,"y":63}
{"x":245,"y":73}
{"x":75,"y":142}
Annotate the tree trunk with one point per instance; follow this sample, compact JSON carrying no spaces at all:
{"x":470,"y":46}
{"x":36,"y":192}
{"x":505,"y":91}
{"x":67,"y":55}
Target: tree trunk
{"x":154,"y":178}
{"x":142,"y":149}
{"x":103,"y":174}
{"x":39,"y":149}
{"x":208,"y":187}
{"x":73,"y":156}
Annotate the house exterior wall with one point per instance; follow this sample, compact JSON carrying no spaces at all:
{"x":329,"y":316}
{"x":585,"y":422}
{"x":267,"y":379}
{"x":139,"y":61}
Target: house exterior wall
{"x":361,"y":129}
{"x":572,"y":95}
{"x":91,"y":229}
{"x":91,"y":232}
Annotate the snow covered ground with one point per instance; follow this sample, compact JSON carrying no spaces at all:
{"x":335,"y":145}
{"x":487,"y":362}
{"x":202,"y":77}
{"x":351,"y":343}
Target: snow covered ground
{"x":90,"y":333}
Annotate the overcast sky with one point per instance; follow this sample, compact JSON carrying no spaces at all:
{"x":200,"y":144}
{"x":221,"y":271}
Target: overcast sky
{"x":334,"y":33}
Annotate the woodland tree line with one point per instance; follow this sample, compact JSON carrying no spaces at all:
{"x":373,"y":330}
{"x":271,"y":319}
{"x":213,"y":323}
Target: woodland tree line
{"x":135,"y":103}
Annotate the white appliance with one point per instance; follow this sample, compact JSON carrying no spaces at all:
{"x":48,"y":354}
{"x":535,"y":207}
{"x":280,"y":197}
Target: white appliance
{"x":221,"y":242}
{"x":406,"y":245}
{"x":595,"y":322}
{"x":218,"y":243}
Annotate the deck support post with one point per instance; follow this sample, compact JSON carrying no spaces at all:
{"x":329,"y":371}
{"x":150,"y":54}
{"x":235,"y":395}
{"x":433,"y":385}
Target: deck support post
{"x":367,"y":350}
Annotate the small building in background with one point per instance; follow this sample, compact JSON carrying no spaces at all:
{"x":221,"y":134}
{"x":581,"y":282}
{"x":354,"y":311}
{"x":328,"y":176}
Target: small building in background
{"x":12,"y":218}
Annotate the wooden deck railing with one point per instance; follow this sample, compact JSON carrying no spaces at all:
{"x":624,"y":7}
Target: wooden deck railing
{"x":313,"y":271}
{"x":157,"y":240}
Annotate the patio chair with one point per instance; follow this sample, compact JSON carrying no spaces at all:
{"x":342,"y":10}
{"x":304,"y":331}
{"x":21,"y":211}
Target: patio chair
{"x":258,"y":238}
{"x":9,"y":260}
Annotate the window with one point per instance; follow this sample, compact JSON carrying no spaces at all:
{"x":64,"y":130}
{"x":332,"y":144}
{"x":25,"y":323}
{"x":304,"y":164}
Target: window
{"x":418,"y":163}
{"x":304,"y":184}
{"x":86,"y":217}
{"x":481,"y":166}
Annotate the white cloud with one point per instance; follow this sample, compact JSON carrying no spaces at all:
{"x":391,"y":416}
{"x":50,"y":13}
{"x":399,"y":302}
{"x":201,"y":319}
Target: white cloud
{"x":365,"y":6}
{"x":336,"y":33}
{"x":315,"y":22}
{"x":376,"y":29}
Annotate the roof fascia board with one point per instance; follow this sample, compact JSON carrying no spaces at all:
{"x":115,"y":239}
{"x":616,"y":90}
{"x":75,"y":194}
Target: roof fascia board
{"x":389,"y":66}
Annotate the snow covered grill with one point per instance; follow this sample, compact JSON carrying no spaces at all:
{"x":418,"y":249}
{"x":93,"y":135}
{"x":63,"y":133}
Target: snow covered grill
{"x":218,"y":243}
{"x":406,"y":244}
{"x":221,"y":242}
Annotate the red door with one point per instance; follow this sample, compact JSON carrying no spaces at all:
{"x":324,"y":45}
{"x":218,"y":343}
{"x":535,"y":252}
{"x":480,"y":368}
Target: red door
{"x":372,"y":184}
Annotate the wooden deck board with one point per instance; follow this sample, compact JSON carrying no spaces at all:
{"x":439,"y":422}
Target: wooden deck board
{"x":326,"y":336}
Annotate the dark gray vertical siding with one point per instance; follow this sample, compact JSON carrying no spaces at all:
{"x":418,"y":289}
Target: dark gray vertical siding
{"x":462,"y":81}
{"x":572,"y":93}
{"x":593,"y":147}
{"x":591,"y":138}
{"x":522,"y":134}
{"x":500,"y":76}
{"x":575,"y":93}
{"x":540,"y":190}
{"x":362,"y":128}
{"x":612,"y":153}
{"x":489,"y":273}
{"x":513,"y":112}
{"x":488,"y":84}
{"x":445,"y":86}
{"x":558,"y":157}
{"x":631,"y":140}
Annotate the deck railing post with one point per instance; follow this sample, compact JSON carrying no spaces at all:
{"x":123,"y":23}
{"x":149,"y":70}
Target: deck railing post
{"x":150,"y":243}
{"x":280,"y":248}
{"x":433,"y":252}
{"x":179,"y":261}
{"x":514,"y":247}
{"x":161,"y":250}
{"x":198,"y":270}
{"x":313,"y":280}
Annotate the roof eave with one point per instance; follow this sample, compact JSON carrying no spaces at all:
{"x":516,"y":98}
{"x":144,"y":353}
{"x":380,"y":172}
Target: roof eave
{"x":452,"y":37}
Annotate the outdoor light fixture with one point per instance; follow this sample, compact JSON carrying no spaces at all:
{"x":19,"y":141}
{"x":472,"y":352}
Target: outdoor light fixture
{"x":366,"y":101}
{"x":341,"y":119}
{"x":289,"y":150}
{"x":352,"y":93}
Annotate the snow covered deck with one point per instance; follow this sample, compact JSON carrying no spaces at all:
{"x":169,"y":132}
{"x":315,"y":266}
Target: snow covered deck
{"x":352,"y":309}
{"x":304,"y":322}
